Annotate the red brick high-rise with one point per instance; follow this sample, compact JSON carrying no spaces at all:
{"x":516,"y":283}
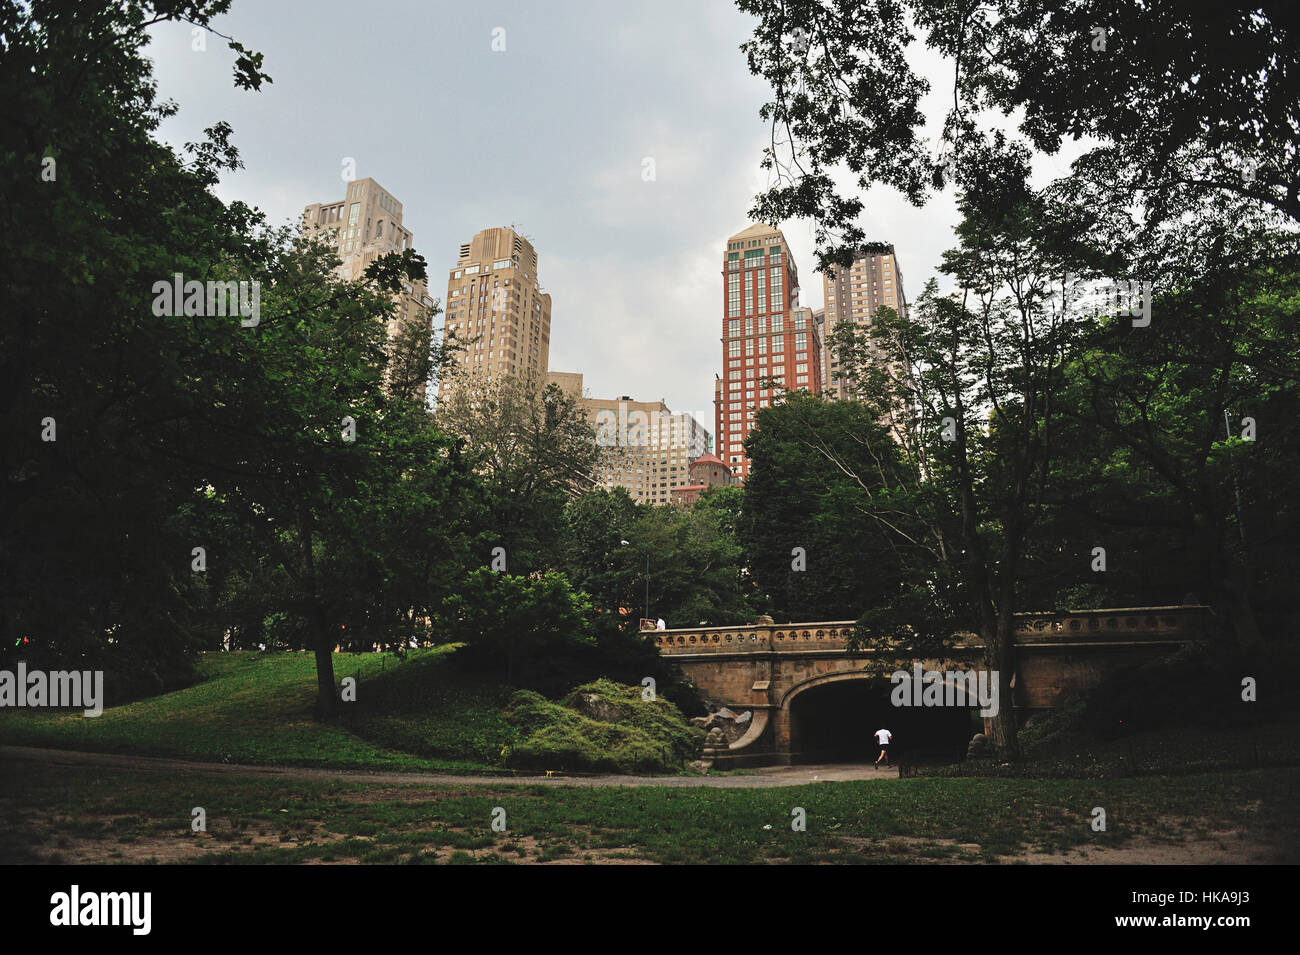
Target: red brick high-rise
{"x":765,"y":335}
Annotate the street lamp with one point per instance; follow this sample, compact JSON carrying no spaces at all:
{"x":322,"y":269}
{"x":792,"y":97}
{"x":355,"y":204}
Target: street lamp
{"x":647,"y":579}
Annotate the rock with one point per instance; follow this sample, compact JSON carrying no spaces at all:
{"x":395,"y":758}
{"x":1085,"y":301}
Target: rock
{"x":701,"y":766}
{"x":591,"y":705}
{"x":765,"y":621}
{"x":700,"y":721}
{"x":726,"y":714}
{"x":717,"y":738}
{"x":744,"y":718}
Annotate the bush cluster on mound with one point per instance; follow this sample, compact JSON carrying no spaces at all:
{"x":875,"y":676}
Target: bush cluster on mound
{"x":601,"y":727}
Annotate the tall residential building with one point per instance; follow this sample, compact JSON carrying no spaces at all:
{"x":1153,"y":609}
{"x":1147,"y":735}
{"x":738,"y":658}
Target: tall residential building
{"x":495,"y":304}
{"x":651,"y":449}
{"x":365,"y":224}
{"x":765,"y":335}
{"x":853,"y":294}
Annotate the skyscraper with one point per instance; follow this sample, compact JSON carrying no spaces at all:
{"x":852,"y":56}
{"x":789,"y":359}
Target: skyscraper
{"x":853,"y":294}
{"x":766,"y":338}
{"x":363,"y":225}
{"x":496,"y":306}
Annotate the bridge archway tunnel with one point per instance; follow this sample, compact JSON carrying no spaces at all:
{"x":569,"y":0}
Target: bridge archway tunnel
{"x":837,"y":721}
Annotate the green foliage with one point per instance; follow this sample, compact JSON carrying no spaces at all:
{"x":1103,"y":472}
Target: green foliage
{"x":532,"y":447}
{"x":601,"y":727}
{"x":852,"y":101}
{"x":525,"y":627}
{"x":95,"y":561}
{"x":819,"y":467}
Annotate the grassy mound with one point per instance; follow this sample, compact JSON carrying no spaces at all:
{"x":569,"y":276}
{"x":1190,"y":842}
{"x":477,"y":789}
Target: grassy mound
{"x":429,"y":707}
{"x":600,"y":727}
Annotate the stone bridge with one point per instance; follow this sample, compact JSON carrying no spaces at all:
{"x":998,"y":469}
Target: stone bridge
{"x":811,"y":698}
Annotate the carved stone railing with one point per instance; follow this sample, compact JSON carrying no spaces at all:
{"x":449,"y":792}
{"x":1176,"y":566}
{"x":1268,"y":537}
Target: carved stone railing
{"x":832,"y":635}
{"x":1111,"y":625}
{"x":1157,"y":624}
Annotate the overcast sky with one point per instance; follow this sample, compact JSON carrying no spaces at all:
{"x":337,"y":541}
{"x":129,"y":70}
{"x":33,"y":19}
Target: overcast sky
{"x":550,"y":136}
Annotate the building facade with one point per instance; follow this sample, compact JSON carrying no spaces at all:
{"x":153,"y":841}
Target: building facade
{"x":651,"y":449}
{"x":495,"y":306}
{"x":853,"y":294}
{"x":768,"y":342}
{"x":708,"y":470}
{"x":365,"y":224}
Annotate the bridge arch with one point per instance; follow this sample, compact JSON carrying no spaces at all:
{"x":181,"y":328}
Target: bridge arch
{"x":772,"y":670}
{"x":833,"y":717}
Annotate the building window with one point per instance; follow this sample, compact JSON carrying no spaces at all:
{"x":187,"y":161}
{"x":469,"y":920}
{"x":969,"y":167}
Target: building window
{"x":733,"y":293}
{"x":733,"y":348}
{"x":733,"y":328}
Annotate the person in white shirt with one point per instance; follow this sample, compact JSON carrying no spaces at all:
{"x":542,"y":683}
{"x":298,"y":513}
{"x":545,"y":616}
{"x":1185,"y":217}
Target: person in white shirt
{"x":661,"y":625}
{"x":883,"y":737}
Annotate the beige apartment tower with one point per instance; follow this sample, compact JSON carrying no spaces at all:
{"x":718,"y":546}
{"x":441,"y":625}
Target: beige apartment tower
{"x":852,"y":295}
{"x":650,"y":448}
{"x":365,"y":224}
{"x":496,"y":307}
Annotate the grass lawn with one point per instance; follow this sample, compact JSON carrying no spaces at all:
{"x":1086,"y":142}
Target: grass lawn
{"x":50,"y":813}
{"x":255,"y":707}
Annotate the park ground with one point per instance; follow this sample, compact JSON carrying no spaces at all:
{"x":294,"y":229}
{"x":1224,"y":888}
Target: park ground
{"x":421,"y":786}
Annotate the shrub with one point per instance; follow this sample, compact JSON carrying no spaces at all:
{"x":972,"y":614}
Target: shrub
{"x":600,"y":727}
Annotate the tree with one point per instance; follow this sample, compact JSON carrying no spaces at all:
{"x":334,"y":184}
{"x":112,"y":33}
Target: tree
{"x":346,"y":487}
{"x":818,"y":466}
{"x":533,"y":447}
{"x":523,"y":626}
{"x":1182,"y":101}
{"x":95,"y":387}
{"x":983,"y":369}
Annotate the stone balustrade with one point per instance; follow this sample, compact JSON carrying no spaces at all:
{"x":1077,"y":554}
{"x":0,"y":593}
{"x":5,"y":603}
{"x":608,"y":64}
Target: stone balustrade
{"x":1135,"y":623}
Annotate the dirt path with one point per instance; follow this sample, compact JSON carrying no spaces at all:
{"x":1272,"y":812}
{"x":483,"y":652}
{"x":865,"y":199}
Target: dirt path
{"x":754,"y":779}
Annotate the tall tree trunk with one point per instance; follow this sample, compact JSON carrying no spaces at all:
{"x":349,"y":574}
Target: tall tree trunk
{"x":1000,"y":656}
{"x":326,"y":701}
{"x":322,"y":639}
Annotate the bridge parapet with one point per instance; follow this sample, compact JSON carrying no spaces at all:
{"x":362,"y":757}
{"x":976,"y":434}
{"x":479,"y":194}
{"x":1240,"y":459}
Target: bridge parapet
{"x":1122,"y":624}
{"x":1113,"y":624}
{"x":793,"y":637}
